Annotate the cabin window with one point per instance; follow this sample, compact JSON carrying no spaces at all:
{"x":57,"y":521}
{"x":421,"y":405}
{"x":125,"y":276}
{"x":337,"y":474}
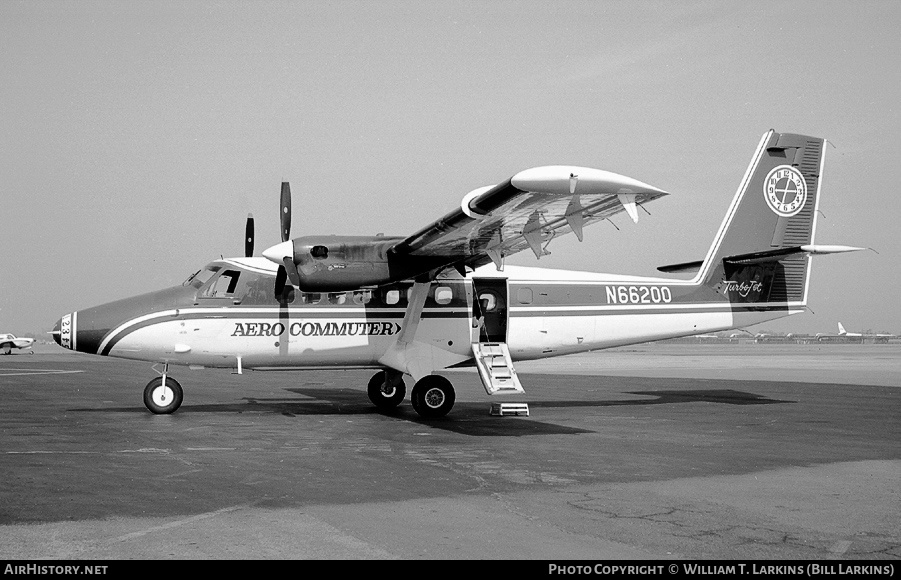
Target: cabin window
{"x":443,"y":295}
{"x":394,"y":295}
{"x":310,"y":297}
{"x":337,"y":298}
{"x":224,"y":286}
{"x":524,"y":295}
{"x":362,"y":296}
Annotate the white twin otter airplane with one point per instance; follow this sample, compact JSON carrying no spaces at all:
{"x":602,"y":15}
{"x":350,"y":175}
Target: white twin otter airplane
{"x":442,"y":298}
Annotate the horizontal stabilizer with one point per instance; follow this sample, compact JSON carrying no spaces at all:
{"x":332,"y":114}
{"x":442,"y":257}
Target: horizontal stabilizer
{"x":763,"y":257}
{"x":776,"y":255}
{"x":820,"y":249}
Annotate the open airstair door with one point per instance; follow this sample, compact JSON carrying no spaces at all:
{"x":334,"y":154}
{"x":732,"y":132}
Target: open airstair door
{"x":489,"y":347}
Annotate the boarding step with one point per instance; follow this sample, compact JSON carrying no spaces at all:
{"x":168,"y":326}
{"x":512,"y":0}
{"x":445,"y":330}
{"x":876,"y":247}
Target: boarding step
{"x":506,"y":409}
{"x":496,"y":368}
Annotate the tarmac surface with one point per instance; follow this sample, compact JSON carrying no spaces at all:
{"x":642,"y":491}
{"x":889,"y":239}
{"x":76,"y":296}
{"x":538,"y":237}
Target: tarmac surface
{"x":660,"y":452}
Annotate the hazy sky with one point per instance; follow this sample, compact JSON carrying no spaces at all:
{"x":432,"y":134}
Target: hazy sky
{"x":135,"y":137}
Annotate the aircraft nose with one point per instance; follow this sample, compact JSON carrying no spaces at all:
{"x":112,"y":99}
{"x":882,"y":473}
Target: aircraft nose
{"x":63,"y":332}
{"x":56,"y":331}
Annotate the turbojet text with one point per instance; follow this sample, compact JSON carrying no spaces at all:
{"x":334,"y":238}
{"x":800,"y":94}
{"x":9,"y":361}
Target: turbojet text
{"x":742,"y":288}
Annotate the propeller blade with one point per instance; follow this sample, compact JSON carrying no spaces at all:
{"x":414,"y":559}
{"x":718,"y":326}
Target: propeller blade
{"x":291,"y":270}
{"x":280,"y":277}
{"x":248,"y":237}
{"x":286,"y":211}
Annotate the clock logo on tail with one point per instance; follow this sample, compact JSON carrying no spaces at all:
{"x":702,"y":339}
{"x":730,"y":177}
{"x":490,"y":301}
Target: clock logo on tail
{"x":785,"y":190}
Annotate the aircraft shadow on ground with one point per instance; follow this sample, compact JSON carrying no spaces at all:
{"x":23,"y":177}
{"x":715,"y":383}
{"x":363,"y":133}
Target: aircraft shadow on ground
{"x":467,"y":418}
{"x":724,"y":396}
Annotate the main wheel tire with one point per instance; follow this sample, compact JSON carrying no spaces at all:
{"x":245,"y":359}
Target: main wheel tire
{"x":163,"y":400}
{"x":433,"y":396}
{"x":386,"y":390}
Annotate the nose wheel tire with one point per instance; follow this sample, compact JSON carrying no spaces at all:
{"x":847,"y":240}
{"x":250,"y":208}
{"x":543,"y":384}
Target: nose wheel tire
{"x":386,"y":390}
{"x":162,"y":400}
{"x":433,"y":396}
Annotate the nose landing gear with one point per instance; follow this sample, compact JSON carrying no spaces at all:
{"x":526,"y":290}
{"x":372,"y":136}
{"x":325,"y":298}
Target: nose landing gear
{"x":163,"y":395}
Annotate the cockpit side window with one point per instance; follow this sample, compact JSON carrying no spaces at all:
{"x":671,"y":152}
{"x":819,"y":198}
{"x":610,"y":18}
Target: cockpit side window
{"x":223,"y":286}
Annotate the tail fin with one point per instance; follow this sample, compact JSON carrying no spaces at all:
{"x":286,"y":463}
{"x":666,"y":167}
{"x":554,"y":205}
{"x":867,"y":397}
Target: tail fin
{"x":757,"y":254}
{"x":841,"y":329}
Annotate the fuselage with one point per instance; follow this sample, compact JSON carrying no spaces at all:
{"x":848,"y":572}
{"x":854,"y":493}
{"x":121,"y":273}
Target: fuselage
{"x":227,"y":315}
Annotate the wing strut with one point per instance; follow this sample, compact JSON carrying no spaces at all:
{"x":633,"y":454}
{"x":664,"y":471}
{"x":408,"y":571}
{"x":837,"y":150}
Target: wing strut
{"x":406,"y":355}
{"x":414,"y":312}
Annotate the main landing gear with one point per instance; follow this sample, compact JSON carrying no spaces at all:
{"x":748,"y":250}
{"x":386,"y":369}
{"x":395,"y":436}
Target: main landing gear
{"x":386,"y":389}
{"x":432,"y":396}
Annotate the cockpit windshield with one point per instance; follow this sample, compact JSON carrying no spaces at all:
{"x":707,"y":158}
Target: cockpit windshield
{"x":201,"y":277}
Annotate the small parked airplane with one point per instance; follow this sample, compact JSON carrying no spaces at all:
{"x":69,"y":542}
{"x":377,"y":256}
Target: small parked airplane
{"x":843,"y":332}
{"x":9,"y":342}
{"x":857,"y":336}
{"x":442,"y":298}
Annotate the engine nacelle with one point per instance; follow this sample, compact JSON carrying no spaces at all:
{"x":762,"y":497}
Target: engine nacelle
{"x":338,"y":263}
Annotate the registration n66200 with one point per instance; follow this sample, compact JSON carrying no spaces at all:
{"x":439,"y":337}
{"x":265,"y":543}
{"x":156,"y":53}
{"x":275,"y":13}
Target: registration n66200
{"x":639,"y":295}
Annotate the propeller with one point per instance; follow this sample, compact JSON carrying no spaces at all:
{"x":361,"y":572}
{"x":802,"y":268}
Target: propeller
{"x":248,"y":237}
{"x":286,"y":211}
{"x":284,"y":252}
{"x":280,"y":276}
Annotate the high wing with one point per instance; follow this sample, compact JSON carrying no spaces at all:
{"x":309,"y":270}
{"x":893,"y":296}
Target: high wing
{"x":526,"y":211}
